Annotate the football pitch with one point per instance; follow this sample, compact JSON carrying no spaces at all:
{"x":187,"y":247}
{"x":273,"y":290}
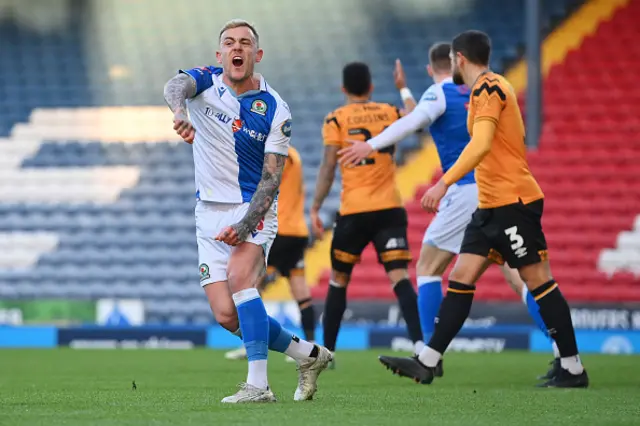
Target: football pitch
{"x":84,"y":387}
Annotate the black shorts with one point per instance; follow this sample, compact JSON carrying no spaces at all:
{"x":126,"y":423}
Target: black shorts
{"x":511,"y":233}
{"x":287,"y":255}
{"x":386,"y":229}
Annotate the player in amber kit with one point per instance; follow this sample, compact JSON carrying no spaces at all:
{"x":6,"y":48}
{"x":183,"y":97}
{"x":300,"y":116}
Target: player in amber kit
{"x":286,"y":257}
{"x":371,"y":210}
{"x":507,"y":224}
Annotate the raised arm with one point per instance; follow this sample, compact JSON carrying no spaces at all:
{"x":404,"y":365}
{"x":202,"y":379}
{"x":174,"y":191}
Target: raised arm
{"x":176,"y":92}
{"x":400,"y":80}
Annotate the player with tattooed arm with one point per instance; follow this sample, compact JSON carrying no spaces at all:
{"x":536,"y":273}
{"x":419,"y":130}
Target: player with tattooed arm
{"x":240,"y":130}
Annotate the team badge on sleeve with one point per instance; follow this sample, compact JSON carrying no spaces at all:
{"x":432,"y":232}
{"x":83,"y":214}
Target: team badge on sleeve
{"x":259,"y":107}
{"x":430,"y":96}
{"x":204,"y":272}
{"x":286,"y":128}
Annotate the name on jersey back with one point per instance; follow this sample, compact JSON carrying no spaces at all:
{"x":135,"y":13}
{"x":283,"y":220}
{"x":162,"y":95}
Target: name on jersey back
{"x":368,"y":118}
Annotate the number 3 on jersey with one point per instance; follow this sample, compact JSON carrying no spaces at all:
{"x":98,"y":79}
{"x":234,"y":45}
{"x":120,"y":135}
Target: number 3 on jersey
{"x":517,"y":240}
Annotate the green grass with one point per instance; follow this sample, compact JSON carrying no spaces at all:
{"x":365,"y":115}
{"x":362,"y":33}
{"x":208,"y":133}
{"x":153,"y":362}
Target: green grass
{"x":72,"y":387}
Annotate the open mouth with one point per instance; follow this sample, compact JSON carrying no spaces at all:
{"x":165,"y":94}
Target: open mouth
{"x":237,"y":61}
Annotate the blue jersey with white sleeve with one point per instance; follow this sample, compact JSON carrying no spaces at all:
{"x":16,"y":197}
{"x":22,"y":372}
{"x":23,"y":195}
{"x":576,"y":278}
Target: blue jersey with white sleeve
{"x":233,"y":133}
{"x":446,"y":104}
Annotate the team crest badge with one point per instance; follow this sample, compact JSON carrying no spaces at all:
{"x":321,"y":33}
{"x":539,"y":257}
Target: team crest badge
{"x":236,"y":125}
{"x":204,"y":272}
{"x":259,"y":107}
{"x":430,"y":96}
{"x":286,"y":128}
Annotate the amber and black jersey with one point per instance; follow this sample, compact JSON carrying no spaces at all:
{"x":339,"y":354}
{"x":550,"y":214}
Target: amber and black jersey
{"x":371,"y":185}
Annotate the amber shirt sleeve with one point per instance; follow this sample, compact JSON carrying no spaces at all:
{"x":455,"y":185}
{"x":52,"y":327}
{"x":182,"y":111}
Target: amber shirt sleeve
{"x":490,"y":105}
{"x":331,"y":134}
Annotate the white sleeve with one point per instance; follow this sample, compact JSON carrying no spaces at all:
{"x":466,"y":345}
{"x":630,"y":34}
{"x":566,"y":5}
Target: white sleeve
{"x":430,"y":107}
{"x":433,"y":103}
{"x":280,"y":134}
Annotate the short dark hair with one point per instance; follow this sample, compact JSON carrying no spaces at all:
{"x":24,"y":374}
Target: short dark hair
{"x":439,"y":56}
{"x":356,"y":78}
{"x":474,"y":45}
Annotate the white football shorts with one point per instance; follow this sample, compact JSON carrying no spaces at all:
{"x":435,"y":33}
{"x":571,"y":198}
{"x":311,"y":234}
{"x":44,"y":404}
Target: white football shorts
{"x":446,"y":230}
{"x":214,"y":255}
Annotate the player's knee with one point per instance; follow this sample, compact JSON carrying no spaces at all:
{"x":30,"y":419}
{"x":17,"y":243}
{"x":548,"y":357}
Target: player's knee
{"x":227,"y":319}
{"x":428,"y":267}
{"x":536,"y":274}
{"x":513,"y":279}
{"x":468,"y":268}
{"x":463,"y":276}
{"x":241,"y":279}
{"x":433,"y":261}
{"x":397,"y":275}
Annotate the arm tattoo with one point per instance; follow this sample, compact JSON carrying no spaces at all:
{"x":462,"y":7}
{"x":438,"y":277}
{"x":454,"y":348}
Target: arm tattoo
{"x":326,"y":175}
{"x":264,"y":195}
{"x":177,"y":91}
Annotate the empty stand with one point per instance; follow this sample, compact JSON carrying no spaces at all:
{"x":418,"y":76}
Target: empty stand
{"x":97,"y":194}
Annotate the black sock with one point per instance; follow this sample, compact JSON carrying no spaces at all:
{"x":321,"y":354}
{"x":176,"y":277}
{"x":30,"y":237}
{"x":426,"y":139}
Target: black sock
{"x":334,"y":308}
{"x":454,"y":310}
{"x":556,"y":314}
{"x":408,"y":300}
{"x":308,"y":319}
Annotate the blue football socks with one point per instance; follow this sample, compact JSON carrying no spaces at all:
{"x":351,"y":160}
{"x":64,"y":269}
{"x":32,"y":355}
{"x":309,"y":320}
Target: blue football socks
{"x":279,"y":337}
{"x":254,"y":325}
{"x":429,"y":300}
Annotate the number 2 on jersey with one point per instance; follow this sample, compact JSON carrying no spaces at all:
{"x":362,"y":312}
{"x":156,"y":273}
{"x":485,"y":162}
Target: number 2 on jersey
{"x":367,"y":135}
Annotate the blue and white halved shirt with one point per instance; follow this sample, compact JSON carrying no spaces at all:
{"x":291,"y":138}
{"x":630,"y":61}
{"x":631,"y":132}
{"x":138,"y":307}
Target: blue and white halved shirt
{"x":233,"y":133}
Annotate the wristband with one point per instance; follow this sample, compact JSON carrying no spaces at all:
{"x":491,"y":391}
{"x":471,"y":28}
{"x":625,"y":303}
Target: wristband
{"x":405,"y":94}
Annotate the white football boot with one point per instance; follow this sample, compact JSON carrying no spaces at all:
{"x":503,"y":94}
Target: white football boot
{"x":308,"y":373}
{"x":236,"y":354}
{"x":249,"y":393}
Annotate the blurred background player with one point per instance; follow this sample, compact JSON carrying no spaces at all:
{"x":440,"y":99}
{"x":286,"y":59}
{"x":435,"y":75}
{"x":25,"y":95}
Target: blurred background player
{"x":443,"y":108}
{"x":505,"y":227}
{"x":286,"y":257}
{"x":239,"y":158}
{"x":371,"y":209}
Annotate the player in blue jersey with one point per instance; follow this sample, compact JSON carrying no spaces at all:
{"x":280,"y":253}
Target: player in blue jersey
{"x":240,"y":129}
{"x":443,"y":107}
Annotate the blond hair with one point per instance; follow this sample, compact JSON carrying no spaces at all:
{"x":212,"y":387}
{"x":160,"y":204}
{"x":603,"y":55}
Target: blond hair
{"x":237,"y":23}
